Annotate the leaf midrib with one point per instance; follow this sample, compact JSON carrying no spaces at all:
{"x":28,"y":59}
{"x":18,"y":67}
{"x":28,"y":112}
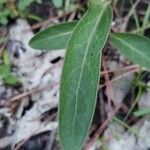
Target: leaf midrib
{"x":83,"y":64}
{"x":52,"y":37}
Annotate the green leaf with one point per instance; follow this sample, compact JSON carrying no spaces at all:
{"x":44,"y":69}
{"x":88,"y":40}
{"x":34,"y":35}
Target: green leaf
{"x":6,"y":60}
{"x":146,"y":17}
{"x":58,"y":3}
{"x":134,"y":47}
{"x":34,"y":17}
{"x":53,"y":38}
{"x":142,"y":112}
{"x":8,"y":78}
{"x":12,"y":80}
{"x":4,"y":70}
{"x":23,"y":4}
{"x":81,"y":73}
{"x":2,"y":2}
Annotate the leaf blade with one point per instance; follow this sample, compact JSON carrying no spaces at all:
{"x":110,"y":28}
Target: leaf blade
{"x":134,"y":47}
{"x":82,"y":64}
{"x":58,"y":3}
{"x":47,"y":39}
{"x":142,"y":112}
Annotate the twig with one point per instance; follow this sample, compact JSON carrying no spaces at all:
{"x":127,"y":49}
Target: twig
{"x":141,"y":29}
{"x":119,"y":77}
{"x":102,"y":127}
{"x":108,"y":86}
{"x":50,"y":141}
{"x":123,"y":69}
{"x":43,"y":23}
{"x":20,"y":96}
{"x":19,"y":145}
{"x":46,"y":22}
{"x":124,"y":25}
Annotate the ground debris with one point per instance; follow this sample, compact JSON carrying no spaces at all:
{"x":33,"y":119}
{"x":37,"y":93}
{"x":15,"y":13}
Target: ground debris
{"x":36,"y":70}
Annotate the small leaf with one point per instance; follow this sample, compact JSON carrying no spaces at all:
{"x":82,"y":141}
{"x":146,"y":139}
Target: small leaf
{"x":4,"y":70}
{"x":23,"y":4}
{"x":2,"y":2}
{"x":134,"y":47}
{"x":53,"y":38}
{"x":58,"y":3}
{"x":8,"y":78}
{"x":81,"y":73}
{"x":6,"y":60}
{"x":12,"y":80}
{"x":142,"y":112}
{"x":146,"y":17}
